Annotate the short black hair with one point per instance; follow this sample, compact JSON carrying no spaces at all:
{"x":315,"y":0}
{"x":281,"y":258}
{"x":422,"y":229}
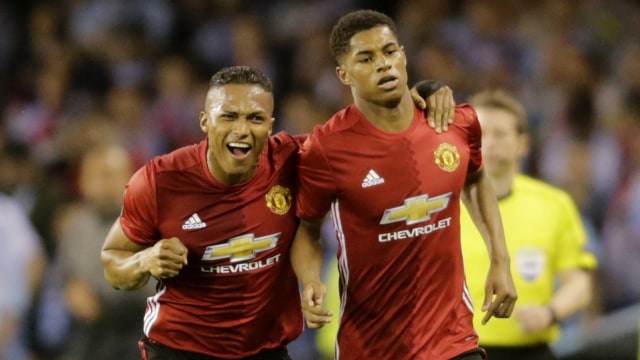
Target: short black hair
{"x":241,"y":75}
{"x":353,"y":23}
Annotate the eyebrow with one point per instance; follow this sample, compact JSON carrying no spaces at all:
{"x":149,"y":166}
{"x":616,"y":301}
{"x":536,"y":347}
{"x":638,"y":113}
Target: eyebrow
{"x":233,"y":112}
{"x":364,"y":52}
{"x":369,"y":52}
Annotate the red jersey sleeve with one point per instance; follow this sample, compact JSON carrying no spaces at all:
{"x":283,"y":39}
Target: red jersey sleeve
{"x":139,"y":211}
{"x":316,"y":185}
{"x":301,"y":138}
{"x":471,"y":126}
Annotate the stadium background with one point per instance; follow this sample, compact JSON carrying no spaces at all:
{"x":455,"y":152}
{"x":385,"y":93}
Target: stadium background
{"x":78,"y":73}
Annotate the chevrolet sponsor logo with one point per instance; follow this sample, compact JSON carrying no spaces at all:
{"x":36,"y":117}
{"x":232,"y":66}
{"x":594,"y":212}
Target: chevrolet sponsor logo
{"x":241,"y":248}
{"x":416,"y":209}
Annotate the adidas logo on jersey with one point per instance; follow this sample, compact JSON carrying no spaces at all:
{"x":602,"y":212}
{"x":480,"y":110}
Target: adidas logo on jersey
{"x":372,"y":179}
{"x":193,"y":223}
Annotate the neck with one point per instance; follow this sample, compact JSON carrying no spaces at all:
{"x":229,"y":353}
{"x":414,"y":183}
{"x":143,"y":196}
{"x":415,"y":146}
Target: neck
{"x":225,"y":178}
{"x":503,"y":183}
{"x":388,"y":118}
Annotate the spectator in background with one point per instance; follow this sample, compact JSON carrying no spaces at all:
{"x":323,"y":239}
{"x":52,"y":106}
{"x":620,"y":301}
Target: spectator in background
{"x":174,"y":105}
{"x":35,"y":121}
{"x":580,"y":151}
{"x":17,"y":172}
{"x":299,"y":113}
{"x":544,"y":234}
{"x":107,"y":323}
{"x":8,"y":47}
{"x":621,"y":232}
{"x":22,"y":265}
{"x":126,"y":108}
{"x":127,"y":34}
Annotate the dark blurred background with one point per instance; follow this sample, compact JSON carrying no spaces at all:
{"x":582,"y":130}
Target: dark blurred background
{"x":100,"y":78}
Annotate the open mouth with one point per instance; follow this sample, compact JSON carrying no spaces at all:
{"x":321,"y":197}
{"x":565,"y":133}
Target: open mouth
{"x":388,"y":82}
{"x":239,"y":150}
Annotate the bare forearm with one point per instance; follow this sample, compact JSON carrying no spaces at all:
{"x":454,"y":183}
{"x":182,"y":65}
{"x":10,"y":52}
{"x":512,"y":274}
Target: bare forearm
{"x":123,"y":260}
{"x":125,"y":270}
{"x":306,"y":252}
{"x":500,"y":291}
{"x":574,"y":294}
{"x":480,"y":200}
{"x":129,"y":265}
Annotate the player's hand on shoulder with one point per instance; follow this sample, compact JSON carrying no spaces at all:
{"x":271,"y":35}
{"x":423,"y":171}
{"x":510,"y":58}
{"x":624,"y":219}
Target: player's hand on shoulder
{"x":311,"y":301}
{"x":437,"y":99}
{"x":166,"y":258}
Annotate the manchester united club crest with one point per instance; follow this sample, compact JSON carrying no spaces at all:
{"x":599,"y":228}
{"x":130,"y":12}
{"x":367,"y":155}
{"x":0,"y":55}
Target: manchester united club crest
{"x":279,"y":200}
{"x":447,"y":157}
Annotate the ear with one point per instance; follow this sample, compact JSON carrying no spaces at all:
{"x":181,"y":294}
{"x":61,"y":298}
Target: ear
{"x":204,"y":122}
{"x":404,"y":55}
{"x":343,"y":76}
{"x":523,"y":148}
{"x":273,"y":120}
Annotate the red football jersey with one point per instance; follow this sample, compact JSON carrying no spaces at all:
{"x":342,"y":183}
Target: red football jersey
{"x":394,"y":199}
{"x":238,"y":294}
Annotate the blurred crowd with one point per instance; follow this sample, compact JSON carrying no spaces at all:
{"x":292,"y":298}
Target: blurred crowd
{"x":92,"y":89}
